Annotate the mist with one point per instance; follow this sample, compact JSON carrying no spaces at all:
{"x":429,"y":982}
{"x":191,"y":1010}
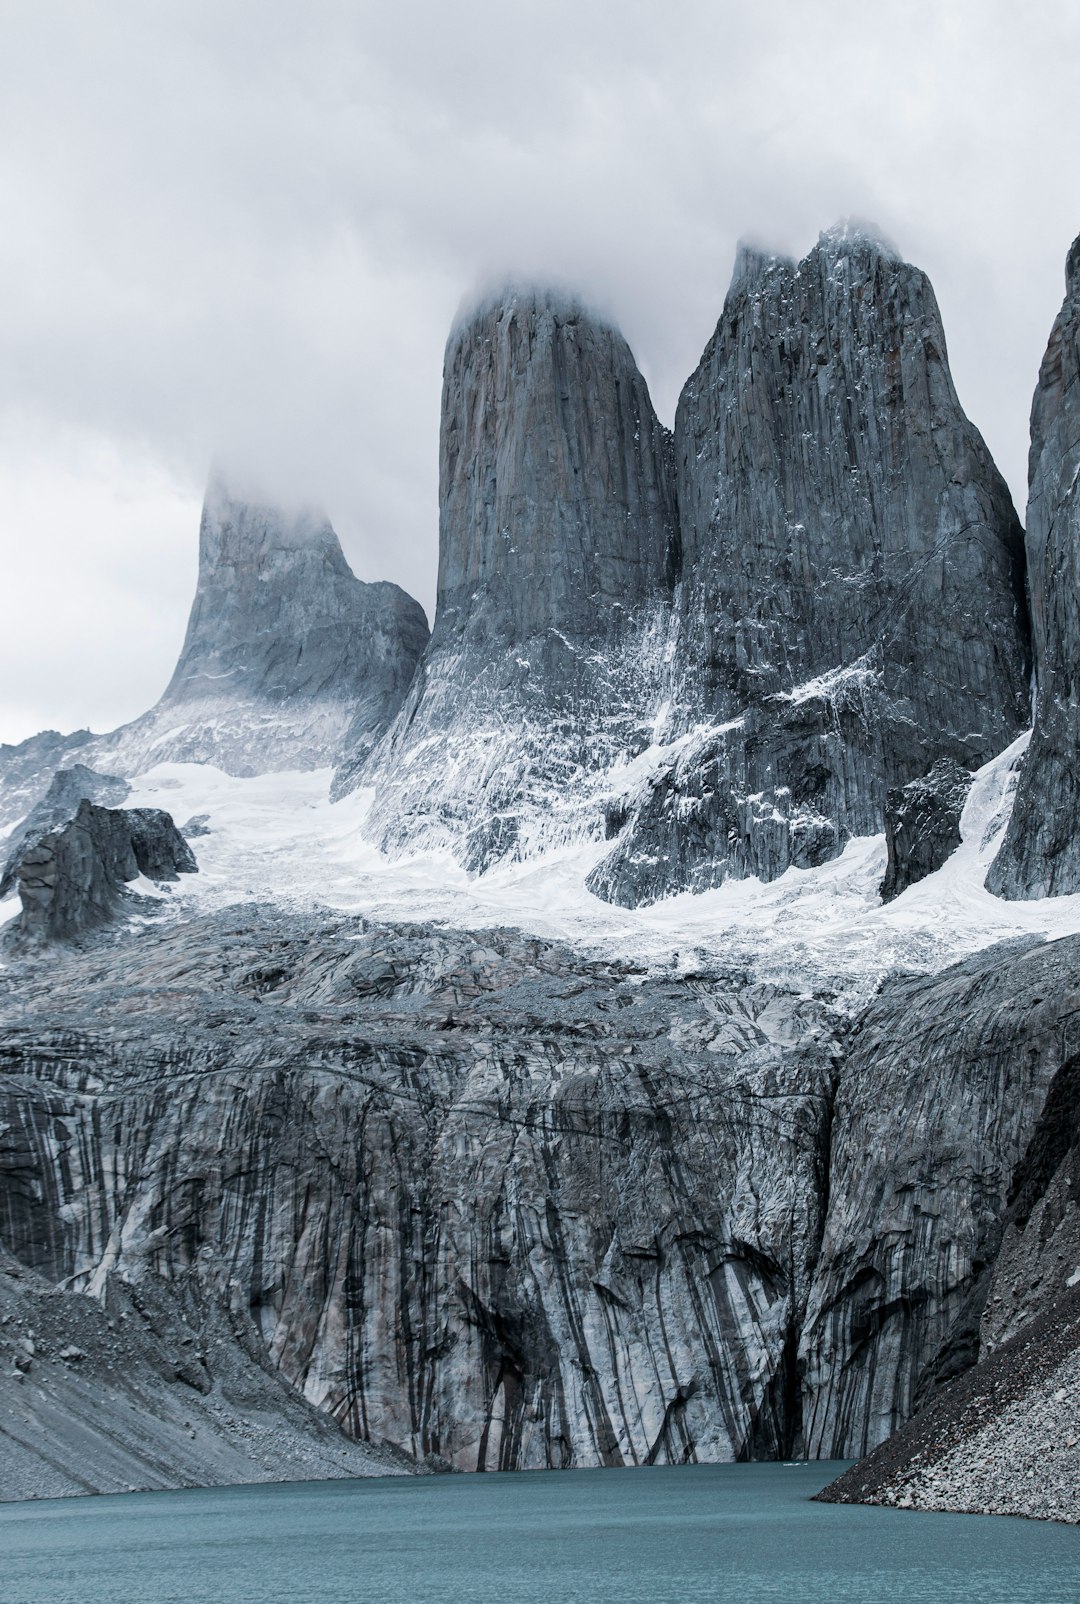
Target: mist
{"x":243,"y":233}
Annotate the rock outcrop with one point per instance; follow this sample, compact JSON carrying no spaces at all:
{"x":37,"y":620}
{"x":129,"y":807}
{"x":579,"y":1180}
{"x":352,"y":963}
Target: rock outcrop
{"x":922,"y":825}
{"x":557,"y":546}
{"x":71,"y":879}
{"x":853,"y":600}
{"x":27,"y":769}
{"x":1040,"y":856}
{"x":60,"y":804}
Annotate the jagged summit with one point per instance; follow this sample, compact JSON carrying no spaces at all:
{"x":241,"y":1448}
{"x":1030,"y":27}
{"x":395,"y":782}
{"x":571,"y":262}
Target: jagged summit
{"x":526,"y":297}
{"x":753,"y":262}
{"x":279,"y":615}
{"x":847,"y":237}
{"x":858,"y":233}
{"x":853,"y":599}
{"x":289,"y":660}
{"x":286,"y":651}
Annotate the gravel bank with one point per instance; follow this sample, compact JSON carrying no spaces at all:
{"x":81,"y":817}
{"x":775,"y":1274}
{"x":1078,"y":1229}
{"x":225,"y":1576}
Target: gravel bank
{"x":1004,"y":1439}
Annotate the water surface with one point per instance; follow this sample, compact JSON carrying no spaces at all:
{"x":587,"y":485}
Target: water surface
{"x":739,"y":1533}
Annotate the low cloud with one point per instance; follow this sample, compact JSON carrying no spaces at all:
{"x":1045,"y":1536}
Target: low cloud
{"x":244,"y":232}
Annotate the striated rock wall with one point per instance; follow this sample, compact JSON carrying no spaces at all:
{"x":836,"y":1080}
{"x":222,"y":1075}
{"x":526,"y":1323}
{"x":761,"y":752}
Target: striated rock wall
{"x":481,"y":1198}
{"x":937,"y":1104}
{"x":1040,"y":856}
{"x":852,"y":604}
{"x":492,"y":1201}
{"x":558,"y":546}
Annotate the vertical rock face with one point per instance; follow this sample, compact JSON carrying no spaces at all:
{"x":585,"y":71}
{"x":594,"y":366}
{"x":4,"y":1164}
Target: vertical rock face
{"x":1040,"y":856}
{"x":1039,"y":1258}
{"x":286,"y":650}
{"x":557,"y":542}
{"x":554,"y":478}
{"x":853,"y":575}
{"x":937,"y":1105}
{"x":480,"y":1197}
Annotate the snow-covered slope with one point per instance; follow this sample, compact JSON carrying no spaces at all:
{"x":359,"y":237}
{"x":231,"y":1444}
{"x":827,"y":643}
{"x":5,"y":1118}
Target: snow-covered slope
{"x":278,"y":838}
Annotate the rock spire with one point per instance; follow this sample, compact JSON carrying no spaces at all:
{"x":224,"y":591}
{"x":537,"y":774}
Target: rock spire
{"x":1040,"y":856}
{"x":853,"y":604}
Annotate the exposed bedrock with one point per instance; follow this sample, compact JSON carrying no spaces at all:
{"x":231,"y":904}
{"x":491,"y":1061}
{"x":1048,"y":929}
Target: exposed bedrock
{"x":71,"y":878}
{"x":1039,"y":1257}
{"x":1003,"y":1437}
{"x":844,"y":532}
{"x":487,"y":1199}
{"x":60,"y":803}
{"x":287,"y":654}
{"x":1040,"y":856}
{"x":557,"y":551}
{"x":481,"y":1197}
{"x":922,"y":825}
{"x":938,"y":1102}
{"x":27,"y":769}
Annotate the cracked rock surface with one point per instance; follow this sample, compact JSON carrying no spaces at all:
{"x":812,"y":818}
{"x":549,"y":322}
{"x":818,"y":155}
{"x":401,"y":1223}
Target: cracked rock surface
{"x":853,"y":606}
{"x":495,"y":1202}
{"x":71,"y":878}
{"x":1040,"y":856}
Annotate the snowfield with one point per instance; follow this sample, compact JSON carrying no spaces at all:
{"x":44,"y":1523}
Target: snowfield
{"x":278,"y":838}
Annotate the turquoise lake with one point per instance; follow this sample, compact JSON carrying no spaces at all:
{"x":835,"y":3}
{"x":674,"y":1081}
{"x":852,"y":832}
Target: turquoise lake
{"x":708,"y":1532}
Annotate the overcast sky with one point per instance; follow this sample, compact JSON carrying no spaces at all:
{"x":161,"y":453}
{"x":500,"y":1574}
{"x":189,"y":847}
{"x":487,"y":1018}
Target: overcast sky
{"x":243,"y":229}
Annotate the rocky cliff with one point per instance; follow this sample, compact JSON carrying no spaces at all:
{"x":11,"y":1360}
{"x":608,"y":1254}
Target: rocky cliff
{"x":1041,"y":853}
{"x":486,"y":1199}
{"x":481,"y":1198}
{"x":853,"y":601}
{"x":57,"y":807}
{"x":557,"y":548}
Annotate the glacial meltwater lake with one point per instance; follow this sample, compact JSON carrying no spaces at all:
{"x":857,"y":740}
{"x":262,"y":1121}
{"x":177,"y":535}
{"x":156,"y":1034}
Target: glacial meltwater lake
{"x":706,"y":1532}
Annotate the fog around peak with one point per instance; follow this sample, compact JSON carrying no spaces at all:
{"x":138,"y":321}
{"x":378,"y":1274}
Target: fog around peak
{"x":245,"y":232}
